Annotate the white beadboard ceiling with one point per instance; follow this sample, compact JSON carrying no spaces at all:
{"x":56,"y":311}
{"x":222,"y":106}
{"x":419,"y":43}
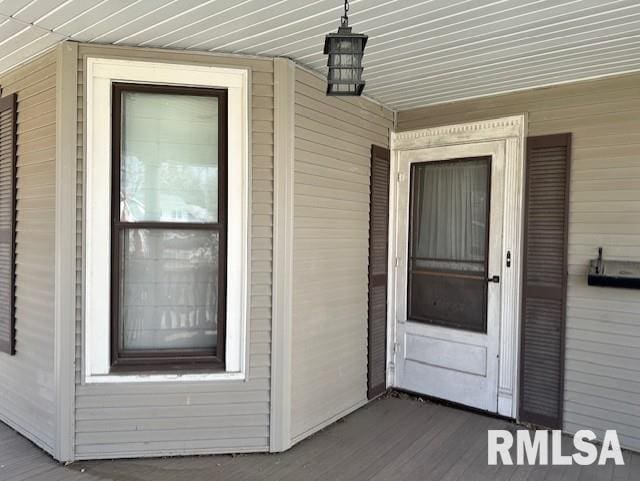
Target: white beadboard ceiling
{"x":420,"y":52}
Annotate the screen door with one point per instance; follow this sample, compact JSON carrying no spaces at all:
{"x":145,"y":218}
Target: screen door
{"x":448,"y":281}
{"x":448,"y":243}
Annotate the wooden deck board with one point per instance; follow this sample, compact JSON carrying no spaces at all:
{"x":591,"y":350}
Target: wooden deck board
{"x":391,"y":438}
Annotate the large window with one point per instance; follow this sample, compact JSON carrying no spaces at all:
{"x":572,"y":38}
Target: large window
{"x":168,"y":227}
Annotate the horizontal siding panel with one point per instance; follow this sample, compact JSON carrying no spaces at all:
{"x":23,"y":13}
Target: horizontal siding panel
{"x":621,"y":336}
{"x":329,"y":202}
{"x":329,"y":185}
{"x":593,"y":383}
{"x":38,"y":101}
{"x":190,"y":422}
{"x":339,"y":191}
{"x":27,"y":397}
{"x":330,"y":152}
{"x":90,"y":416}
{"x":38,"y":148}
{"x":331,"y":115}
{"x":629,"y":205}
{"x":45,"y":119}
{"x":601,"y":300}
{"x":39,"y":116}
{"x":601,"y":317}
{"x":321,"y":139}
{"x":155,"y":419}
{"x":598,"y":365}
{"x":626,"y":406}
{"x":333,"y":139}
{"x":176,"y":436}
{"x":328,"y":224}
{"x":327,"y":171}
{"x":606,"y":356}
{"x":171,"y":448}
{"x":306,"y":108}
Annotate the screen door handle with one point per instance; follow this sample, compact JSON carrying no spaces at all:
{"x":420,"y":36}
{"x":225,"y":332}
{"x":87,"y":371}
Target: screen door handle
{"x":495,"y":279}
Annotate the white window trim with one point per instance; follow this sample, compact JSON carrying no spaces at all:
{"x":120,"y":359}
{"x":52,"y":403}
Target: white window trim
{"x":100,"y":73}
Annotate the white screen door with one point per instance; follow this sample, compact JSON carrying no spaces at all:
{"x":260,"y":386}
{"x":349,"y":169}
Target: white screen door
{"x":449,"y":244}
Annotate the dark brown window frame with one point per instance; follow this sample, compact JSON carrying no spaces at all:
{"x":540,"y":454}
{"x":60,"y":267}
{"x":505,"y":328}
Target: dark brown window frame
{"x":167,"y":360}
{"x":412,"y":205}
{"x":10,"y":102}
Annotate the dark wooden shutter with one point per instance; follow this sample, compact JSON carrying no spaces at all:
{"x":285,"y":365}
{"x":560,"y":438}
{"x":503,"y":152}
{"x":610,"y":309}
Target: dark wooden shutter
{"x":7,"y":221}
{"x":378,"y":250}
{"x":544,"y":280}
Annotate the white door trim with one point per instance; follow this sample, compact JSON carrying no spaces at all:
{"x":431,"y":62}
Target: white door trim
{"x":512,"y":132}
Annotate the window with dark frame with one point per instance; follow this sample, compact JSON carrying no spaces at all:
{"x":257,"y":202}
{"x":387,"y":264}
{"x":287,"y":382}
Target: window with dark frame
{"x":168,"y":227}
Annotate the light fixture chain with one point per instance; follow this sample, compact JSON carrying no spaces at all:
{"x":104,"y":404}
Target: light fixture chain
{"x":345,"y":18}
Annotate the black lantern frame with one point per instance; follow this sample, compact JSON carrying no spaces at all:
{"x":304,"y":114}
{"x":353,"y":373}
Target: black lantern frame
{"x":345,"y":50}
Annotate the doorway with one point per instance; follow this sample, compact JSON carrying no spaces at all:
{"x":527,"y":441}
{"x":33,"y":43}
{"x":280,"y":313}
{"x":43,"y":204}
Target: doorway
{"x":457,"y":275}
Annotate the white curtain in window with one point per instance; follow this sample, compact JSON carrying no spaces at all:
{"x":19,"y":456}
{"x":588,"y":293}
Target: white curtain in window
{"x":450,"y":213}
{"x":169,"y":289}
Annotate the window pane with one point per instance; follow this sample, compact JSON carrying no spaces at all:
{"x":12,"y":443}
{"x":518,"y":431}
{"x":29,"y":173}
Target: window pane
{"x":169,"y":158}
{"x":169,"y":289}
{"x":448,"y":229}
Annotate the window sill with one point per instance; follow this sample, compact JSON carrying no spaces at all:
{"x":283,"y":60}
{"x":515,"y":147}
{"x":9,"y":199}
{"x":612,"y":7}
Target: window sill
{"x":147,"y":364}
{"x":163,"y":377}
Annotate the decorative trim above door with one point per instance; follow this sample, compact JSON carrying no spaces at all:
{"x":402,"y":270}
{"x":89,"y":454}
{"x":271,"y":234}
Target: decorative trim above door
{"x":510,"y":132}
{"x":502,"y":128}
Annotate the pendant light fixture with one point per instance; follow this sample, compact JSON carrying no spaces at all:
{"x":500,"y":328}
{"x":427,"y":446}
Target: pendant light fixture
{"x":345,"y":50}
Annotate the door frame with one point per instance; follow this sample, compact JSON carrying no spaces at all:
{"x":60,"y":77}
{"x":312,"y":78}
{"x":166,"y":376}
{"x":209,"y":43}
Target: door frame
{"x":511,"y":133}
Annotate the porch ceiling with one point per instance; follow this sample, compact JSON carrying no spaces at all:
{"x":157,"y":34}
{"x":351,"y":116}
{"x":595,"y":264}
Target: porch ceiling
{"x":420,"y":52}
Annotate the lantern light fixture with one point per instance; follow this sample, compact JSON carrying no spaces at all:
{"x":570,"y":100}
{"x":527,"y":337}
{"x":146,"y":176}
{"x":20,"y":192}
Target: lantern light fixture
{"x":345,"y":50}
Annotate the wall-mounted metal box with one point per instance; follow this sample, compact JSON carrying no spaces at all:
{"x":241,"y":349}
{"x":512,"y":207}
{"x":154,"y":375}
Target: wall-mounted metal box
{"x":614,"y":273}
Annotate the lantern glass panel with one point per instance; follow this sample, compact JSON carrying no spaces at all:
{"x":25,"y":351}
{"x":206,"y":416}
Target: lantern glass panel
{"x":357,"y":60}
{"x":344,"y":45}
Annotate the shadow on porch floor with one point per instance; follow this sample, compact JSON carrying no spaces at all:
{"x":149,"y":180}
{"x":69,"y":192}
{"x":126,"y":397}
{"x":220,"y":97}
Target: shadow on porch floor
{"x":389,"y":439}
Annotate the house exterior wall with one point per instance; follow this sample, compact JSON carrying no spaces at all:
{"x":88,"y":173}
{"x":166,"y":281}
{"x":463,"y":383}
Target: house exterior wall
{"x":332,"y":150}
{"x":166,"y":418}
{"x":27,"y":396}
{"x":602,"y":371}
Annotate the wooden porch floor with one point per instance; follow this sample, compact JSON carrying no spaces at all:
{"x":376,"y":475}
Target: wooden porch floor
{"x":390,"y":439}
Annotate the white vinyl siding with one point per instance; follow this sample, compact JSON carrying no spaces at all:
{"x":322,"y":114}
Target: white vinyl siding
{"x":333,"y":138}
{"x":602,"y":385}
{"x":153,"y":419}
{"x":27,"y":396}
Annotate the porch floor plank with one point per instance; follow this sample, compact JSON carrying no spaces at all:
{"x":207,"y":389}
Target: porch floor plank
{"x":394,"y":438}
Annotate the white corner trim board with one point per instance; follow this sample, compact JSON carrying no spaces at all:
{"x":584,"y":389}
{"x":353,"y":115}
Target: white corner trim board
{"x":100,"y":73}
{"x":284,"y":110}
{"x":65,"y":247}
